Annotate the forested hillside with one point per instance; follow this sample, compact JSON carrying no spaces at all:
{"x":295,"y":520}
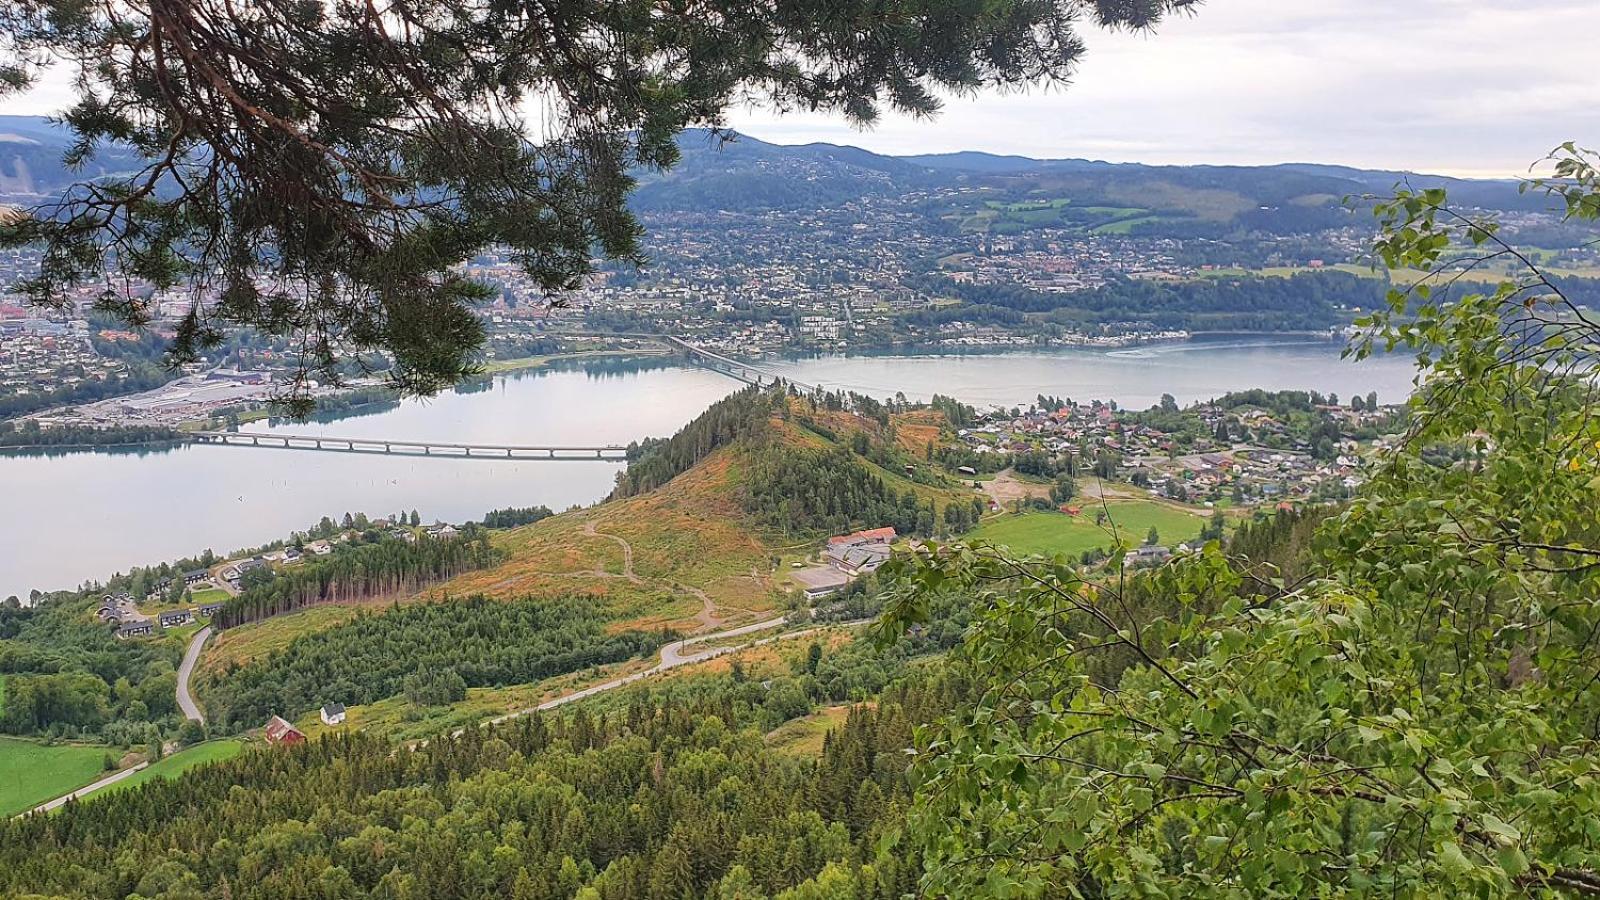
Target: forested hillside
{"x":383,"y":567}
{"x":664,"y":793}
{"x":430,"y":652}
{"x":655,"y":462}
{"x":61,"y":671}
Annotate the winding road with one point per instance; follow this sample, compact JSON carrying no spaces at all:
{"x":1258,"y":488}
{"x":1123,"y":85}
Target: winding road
{"x":191,"y":655}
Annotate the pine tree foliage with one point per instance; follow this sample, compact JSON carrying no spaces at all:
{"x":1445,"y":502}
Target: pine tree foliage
{"x":481,"y":642}
{"x":1415,"y":718}
{"x":326,"y":166}
{"x":664,"y":794}
{"x":387,"y":566}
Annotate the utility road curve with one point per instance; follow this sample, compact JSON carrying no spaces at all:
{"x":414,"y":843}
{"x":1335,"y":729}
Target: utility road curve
{"x":191,"y":655}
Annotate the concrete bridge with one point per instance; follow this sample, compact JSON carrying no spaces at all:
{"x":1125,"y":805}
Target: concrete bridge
{"x":733,"y":368}
{"x":749,"y":373}
{"x":609,"y":452}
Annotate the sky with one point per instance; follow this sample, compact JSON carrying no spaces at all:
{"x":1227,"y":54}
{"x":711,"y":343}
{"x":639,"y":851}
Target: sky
{"x":1461,"y":87}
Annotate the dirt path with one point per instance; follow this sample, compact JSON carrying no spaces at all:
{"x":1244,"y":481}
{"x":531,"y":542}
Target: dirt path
{"x":707,"y":617}
{"x":1005,"y":488}
{"x":592,"y":530}
{"x":191,"y":655}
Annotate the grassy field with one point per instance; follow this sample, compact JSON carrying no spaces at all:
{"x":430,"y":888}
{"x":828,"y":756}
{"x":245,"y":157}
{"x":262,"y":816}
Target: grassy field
{"x":688,"y":534}
{"x":804,"y":736}
{"x":209,"y":595}
{"x":31,"y":773}
{"x":1124,"y":226}
{"x":1049,"y":533}
{"x":247,"y":642}
{"x":174,"y":765}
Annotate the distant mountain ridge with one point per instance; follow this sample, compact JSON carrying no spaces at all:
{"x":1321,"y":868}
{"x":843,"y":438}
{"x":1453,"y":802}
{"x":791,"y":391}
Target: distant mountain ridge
{"x":749,"y":173}
{"x":31,"y":170}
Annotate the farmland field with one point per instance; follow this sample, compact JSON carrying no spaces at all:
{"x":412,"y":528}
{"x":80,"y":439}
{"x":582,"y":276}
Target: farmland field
{"x":176,"y":764}
{"x":1049,"y":533}
{"x":31,"y":773}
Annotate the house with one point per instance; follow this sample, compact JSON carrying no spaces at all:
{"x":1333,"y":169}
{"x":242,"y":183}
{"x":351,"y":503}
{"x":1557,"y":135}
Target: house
{"x":320,"y":548}
{"x":280,"y":733}
{"x":333,"y":713}
{"x":871,"y":536}
{"x":820,"y":581}
{"x":855,"y":559}
{"x":175,"y":618}
{"x":196,"y":576}
{"x":136,"y":629}
{"x":207,"y":610}
{"x":862,"y":551}
{"x":1146,"y":556}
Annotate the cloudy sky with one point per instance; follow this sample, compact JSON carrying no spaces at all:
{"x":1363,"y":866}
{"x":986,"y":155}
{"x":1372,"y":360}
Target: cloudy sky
{"x":1458,"y":86}
{"x":1469,"y":87}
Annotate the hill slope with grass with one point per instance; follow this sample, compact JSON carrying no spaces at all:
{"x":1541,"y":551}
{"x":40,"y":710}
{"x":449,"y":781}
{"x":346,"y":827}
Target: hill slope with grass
{"x":698,"y":537}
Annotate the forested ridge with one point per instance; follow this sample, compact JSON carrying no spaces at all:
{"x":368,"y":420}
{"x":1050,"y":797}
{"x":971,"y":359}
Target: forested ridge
{"x":663,"y":794}
{"x":382,"y":567}
{"x":799,"y":491}
{"x":431,"y":652}
{"x":655,"y":462}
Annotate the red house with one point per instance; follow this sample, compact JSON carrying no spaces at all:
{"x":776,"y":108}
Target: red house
{"x":281,"y":734}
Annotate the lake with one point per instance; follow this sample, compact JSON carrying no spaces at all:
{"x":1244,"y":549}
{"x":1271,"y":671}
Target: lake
{"x":68,"y":519}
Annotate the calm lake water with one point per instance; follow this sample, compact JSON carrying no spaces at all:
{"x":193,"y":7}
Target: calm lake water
{"x":69,"y":519}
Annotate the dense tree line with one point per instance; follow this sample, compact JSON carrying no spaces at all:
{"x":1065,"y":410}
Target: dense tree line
{"x":384,"y":566}
{"x":512,"y":516}
{"x":419,"y":650}
{"x":1281,"y":544}
{"x":660,"y":793}
{"x":806,"y":491}
{"x":65,"y":673}
{"x":655,"y":462}
{"x":1303,"y":301}
{"x":31,"y":434}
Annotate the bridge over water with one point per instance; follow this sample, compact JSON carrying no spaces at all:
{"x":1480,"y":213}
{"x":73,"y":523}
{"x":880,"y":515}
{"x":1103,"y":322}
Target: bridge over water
{"x":611,"y":452}
{"x":749,"y":373}
{"x":733,"y":368}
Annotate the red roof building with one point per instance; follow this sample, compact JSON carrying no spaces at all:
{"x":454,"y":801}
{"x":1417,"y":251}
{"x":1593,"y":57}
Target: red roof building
{"x":870,"y":536}
{"x":281,"y":734}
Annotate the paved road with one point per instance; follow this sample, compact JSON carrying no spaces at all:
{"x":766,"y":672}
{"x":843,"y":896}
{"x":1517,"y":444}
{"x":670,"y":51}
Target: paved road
{"x":89,"y":789}
{"x":191,"y":710}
